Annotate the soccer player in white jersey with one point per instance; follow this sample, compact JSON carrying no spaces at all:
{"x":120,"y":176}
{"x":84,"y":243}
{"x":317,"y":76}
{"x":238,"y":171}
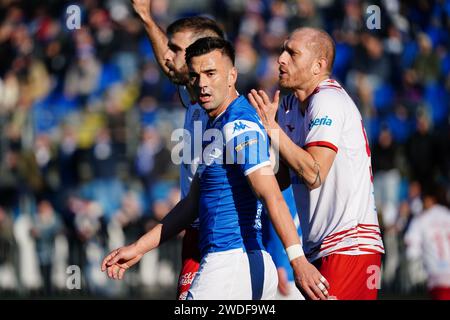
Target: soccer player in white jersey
{"x":227,"y":193}
{"x":321,"y":139}
{"x":170,"y":54}
{"x":428,"y":240}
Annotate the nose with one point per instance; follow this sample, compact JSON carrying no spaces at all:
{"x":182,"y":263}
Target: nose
{"x":282,"y":58}
{"x":202,"y":81}
{"x":168,"y":55}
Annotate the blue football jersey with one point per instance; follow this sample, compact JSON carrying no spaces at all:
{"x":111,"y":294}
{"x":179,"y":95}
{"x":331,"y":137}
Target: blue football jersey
{"x":235,"y":144}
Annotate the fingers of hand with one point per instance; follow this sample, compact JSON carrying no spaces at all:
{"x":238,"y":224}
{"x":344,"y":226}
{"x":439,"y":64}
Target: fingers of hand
{"x":116,"y":272}
{"x":276,"y":97}
{"x":264,"y":97}
{"x":107,"y":261}
{"x":121,"y":273}
{"x":325,"y":282}
{"x":259,"y":109}
{"x":253,"y":101}
{"x":258,"y":98}
{"x":317,"y":291}
{"x":115,"y":258}
{"x":311,"y":294}
{"x":323,"y":289}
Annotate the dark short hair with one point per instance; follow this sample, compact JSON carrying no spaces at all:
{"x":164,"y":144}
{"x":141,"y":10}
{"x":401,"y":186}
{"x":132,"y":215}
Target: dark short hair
{"x":197,"y":24}
{"x":209,"y":44}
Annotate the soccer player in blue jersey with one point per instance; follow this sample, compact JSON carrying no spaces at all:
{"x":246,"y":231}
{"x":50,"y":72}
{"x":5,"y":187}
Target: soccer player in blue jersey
{"x":169,"y":49}
{"x":229,"y":189}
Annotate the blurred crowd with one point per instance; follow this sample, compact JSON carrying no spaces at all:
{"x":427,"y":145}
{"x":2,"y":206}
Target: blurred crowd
{"x":86,"y":119}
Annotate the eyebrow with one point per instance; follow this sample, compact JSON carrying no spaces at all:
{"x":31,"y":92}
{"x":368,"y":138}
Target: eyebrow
{"x":173,"y":46}
{"x":208,"y":70}
{"x":289,"y":48}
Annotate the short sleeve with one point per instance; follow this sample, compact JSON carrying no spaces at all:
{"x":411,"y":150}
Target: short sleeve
{"x":325,"y":120}
{"x":246,"y":144}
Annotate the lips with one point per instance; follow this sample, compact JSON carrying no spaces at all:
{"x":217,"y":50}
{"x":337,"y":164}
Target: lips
{"x":204,"y":98}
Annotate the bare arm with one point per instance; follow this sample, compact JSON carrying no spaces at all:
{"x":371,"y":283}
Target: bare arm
{"x":157,"y":36}
{"x":264,"y":185}
{"x":312,"y":164}
{"x":179,"y":218}
{"x":121,"y":259}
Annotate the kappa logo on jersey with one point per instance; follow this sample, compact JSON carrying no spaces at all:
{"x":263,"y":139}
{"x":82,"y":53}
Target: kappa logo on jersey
{"x":238,"y":126}
{"x":320,"y":122}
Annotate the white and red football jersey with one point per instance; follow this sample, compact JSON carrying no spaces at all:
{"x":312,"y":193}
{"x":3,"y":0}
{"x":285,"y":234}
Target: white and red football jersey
{"x":339,"y":216}
{"x":428,"y":238}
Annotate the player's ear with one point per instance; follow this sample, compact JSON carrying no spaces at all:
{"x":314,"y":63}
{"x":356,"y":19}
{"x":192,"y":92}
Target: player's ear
{"x":232,"y":77}
{"x":316,"y":67}
{"x":319,"y":65}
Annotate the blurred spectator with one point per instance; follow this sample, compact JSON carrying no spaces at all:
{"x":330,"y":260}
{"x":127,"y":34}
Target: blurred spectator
{"x":386,"y":177}
{"x":6,"y":240}
{"x":421,"y":151}
{"x":427,"y":63}
{"x":46,"y":227}
{"x":386,"y":188}
{"x":152,"y":158}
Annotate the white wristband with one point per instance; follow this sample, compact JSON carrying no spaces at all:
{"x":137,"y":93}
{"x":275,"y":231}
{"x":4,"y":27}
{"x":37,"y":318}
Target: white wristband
{"x":294,"y":252}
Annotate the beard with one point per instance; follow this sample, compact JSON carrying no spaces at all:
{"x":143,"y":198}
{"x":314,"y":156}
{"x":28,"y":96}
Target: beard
{"x":286,"y":84}
{"x":178,"y":76}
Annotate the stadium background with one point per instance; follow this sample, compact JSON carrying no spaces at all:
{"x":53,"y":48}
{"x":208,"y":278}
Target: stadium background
{"x":86,"y":119}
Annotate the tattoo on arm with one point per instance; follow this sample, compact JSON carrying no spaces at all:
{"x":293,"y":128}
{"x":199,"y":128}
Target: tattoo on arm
{"x":300,"y":173}
{"x":317,"y":169}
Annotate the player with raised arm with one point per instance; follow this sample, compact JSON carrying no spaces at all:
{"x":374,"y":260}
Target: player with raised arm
{"x":233,"y":182}
{"x":321,"y":139}
{"x":170,"y":51}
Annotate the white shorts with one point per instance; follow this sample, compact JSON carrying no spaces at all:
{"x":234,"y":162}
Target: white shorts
{"x":235,"y":275}
{"x":294,"y":293}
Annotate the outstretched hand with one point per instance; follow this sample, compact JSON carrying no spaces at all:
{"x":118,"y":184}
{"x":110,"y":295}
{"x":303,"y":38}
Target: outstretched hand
{"x":266,"y":108}
{"x":119,"y":260}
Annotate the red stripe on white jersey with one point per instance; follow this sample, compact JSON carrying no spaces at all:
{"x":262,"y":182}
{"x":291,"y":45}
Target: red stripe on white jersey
{"x":322,"y":144}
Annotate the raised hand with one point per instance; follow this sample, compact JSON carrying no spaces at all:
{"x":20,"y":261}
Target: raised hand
{"x":142,"y":8}
{"x":266,"y":108}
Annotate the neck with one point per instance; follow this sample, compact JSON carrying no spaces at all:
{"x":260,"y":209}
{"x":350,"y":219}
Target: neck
{"x":191,"y":93}
{"x":303,"y":94}
{"x":232,"y":94}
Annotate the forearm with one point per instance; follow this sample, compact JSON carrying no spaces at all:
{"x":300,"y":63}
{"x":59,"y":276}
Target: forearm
{"x":298,"y":159}
{"x":281,"y":219}
{"x":158,"y":40}
{"x":178,"y":219}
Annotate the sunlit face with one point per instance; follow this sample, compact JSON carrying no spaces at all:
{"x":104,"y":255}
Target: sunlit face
{"x":295,"y":62}
{"x":175,"y":56}
{"x":212,"y":77}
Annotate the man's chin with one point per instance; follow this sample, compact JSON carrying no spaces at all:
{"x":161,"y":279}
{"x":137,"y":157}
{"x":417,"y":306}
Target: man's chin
{"x":284,"y":84}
